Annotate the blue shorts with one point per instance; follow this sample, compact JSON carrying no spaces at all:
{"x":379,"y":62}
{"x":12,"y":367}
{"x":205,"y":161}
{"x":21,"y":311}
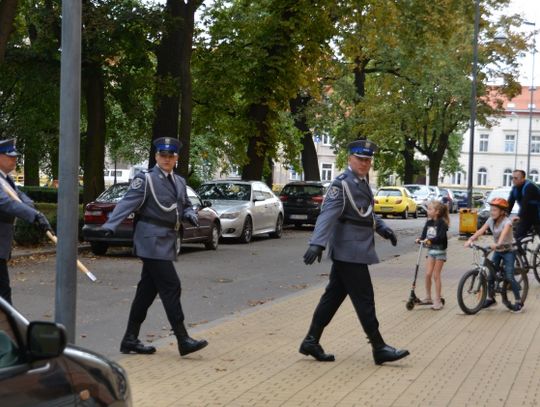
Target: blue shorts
{"x":437,"y":254}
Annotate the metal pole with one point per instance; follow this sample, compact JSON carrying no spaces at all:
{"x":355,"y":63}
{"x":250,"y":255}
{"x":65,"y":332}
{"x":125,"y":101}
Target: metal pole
{"x":473,"y":104}
{"x":531,"y":90}
{"x":68,"y":191}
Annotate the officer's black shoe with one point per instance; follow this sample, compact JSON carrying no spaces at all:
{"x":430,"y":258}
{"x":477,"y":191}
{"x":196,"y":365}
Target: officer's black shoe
{"x":130,"y":343}
{"x":186,"y":344}
{"x":384,"y":353}
{"x":311,"y":347}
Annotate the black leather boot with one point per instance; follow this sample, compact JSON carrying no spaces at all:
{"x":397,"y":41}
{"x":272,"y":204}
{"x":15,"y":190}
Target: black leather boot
{"x":130,"y":342}
{"x":187,"y":345}
{"x":382,"y":352}
{"x":310,"y":345}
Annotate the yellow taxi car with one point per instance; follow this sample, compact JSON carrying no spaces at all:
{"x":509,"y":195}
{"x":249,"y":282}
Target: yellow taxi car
{"x":395,"y":201}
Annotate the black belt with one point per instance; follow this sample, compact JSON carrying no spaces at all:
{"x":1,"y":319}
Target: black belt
{"x":157,"y":222}
{"x":368,"y":222}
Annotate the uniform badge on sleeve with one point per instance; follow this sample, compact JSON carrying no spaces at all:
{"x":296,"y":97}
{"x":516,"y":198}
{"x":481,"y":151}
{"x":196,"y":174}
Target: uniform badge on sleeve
{"x":136,"y":183}
{"x":333,"y":192}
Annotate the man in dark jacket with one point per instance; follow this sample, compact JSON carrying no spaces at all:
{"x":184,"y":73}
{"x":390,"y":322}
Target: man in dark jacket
{"x":527,"y":194}
{"x":347,"y":225}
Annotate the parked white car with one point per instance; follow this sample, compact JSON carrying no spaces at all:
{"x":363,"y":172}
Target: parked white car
{"x":245,"y":208}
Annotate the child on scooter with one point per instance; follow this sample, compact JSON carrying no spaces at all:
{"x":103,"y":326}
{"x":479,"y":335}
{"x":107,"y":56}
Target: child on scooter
{"x":500,"y":226}
{"x":435,"y":239}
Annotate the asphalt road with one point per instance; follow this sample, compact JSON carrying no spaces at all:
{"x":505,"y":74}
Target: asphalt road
{"x":215,"y":283}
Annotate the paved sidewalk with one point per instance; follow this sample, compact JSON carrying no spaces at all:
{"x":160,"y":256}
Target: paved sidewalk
{"x":490,"y":359}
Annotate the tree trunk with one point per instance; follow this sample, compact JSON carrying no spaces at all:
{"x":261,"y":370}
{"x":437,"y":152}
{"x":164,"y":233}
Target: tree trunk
{"x":360,"y":83}
{"x":408,"y":158}
{"x":167,"y":97}
{"x":186,"y":101}
{"x":32,"y":157}
{"x":8,"y":10}
{"x":310,"y":161}
{"x":257,"y":147}
{"x":94,"y":147}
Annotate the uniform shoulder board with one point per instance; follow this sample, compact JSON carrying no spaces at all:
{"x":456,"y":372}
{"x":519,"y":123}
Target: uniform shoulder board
{"x":342,"y":177}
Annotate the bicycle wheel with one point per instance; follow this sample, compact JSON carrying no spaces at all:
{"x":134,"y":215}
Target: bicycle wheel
{"x":507,"y":294}
{"x":472,"y":291}
{"x":520,"y":274}
{"x":536,"y":263}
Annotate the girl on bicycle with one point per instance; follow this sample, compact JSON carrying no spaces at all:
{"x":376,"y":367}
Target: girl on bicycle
{"x":500,"y":226}
{"x":435,"y":239}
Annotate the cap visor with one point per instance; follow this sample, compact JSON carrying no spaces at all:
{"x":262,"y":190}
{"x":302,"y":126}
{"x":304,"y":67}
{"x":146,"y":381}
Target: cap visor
{"x":362,"y":155}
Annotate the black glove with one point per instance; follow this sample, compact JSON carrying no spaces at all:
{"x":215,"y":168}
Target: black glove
{"x":313,"y":252}
{"x":193,"y":219}
{"x":390,"y":235}
{"x":41,"y":221}
{"x":103,"y":232}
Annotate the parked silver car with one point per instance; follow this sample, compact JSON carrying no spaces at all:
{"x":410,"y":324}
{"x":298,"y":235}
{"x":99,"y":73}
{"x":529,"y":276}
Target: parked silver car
{"x":245,"y":208}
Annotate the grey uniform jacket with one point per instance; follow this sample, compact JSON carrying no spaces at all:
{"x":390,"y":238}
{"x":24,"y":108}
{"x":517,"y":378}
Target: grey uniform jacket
{"x":9,"y":210}
{"x":154,"y":236}
{"x":348,"y":235}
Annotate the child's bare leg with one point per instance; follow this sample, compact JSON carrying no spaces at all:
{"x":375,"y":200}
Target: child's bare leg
{"x":430,"y":262}
{"x":437,"y":270}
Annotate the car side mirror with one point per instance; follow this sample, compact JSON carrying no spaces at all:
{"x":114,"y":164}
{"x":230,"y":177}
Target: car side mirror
{"x":45,"y":340}
{"x":207,"y":204}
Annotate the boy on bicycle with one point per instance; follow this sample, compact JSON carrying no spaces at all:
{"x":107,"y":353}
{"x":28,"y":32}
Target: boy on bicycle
{"x":500,"y":226}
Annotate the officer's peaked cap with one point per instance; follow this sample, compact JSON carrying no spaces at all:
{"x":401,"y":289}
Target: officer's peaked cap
{"x":167,"y":144}
{"x":7,"y":147}
{"x":362,"y":148}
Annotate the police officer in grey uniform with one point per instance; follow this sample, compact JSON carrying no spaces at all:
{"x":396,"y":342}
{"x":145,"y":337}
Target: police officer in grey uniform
{"x":160,"y":202}
{"x":347,"y":225}
{"x":11,"y":209}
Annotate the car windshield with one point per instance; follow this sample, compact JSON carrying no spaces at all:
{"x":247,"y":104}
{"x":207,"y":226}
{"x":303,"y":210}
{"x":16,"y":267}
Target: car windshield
{"x":113,"y":194}
{"x":302,"y":190}
{"x":460,"y":194}
{"x":389,"y":192}
{"x":498,"y":193}
{"x":417,"y":189}
{"x":228,"y":191}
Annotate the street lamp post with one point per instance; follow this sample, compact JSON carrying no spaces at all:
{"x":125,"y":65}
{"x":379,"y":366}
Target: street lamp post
{"x":531,"y":104}
{"x":473,"y":104}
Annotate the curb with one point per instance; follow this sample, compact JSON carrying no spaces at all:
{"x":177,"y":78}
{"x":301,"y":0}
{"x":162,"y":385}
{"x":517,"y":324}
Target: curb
{"x":22,"y":255}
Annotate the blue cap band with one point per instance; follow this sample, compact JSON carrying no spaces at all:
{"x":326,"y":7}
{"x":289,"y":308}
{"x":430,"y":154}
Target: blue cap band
{"x":361,"y":150}
{"x":166,"y":147}
{"x":7,"y":149}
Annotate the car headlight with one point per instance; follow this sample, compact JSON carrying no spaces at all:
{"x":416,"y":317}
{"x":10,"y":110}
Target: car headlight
{"x":229,"y":215}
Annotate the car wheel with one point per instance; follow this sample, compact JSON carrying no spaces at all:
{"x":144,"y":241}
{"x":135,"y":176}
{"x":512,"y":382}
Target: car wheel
{"x":405,"y":213}
{"x":215,"y":233}
{"x":247,"y":231}
{"x":276,"y":234}
{"x":415,"y":214}
{"x":99,"y":248}
{"x":179,"y":243}
{"x":384,"y":216}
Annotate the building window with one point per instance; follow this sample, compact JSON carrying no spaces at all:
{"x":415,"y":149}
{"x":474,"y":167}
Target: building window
{"x":458,"y":178}
{"x":326,"y":172}
{"x":507,"y":178}
{"x":482,"y":176}
{"x":533,"y":175}
{"x":326,"y":140}
{"x":535,"y":144}
{"x":484,"y":138}
{"x":294,"y":176}
{"x":509,"y":143}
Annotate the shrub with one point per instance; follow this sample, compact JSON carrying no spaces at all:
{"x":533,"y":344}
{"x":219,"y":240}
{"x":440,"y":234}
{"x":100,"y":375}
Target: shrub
{"x":28,"y":234}
{"x":44,"y":194}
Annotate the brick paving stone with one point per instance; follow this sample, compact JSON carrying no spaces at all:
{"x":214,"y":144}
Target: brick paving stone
{"x":489,"y":359}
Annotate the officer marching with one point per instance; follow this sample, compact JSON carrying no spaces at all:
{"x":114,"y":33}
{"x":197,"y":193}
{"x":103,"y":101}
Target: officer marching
{"x":159,"y":199}
{"x":346,"y":225}
{"x":11,"y":209}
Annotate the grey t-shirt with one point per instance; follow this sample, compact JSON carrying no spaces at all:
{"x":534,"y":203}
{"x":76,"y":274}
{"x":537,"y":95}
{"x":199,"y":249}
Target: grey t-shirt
{"x":497,"y":228}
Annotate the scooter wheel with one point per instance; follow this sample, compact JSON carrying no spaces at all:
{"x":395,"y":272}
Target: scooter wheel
{"x":410,"y":305}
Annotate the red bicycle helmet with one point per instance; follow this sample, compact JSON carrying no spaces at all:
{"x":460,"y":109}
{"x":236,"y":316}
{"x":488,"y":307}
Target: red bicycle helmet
{"x":500,"y":203}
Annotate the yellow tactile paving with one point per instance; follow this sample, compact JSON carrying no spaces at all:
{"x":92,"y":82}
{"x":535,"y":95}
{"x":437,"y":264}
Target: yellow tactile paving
{"x":490,"y":359}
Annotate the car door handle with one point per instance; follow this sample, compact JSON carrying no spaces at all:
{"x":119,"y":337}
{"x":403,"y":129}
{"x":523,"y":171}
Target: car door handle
{"x":40,"y":369}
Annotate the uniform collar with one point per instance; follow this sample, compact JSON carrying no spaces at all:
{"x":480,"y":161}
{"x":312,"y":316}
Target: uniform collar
{"x":356,"y":177}
{"x":3,"y":174}
{"x":164,"y":172}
